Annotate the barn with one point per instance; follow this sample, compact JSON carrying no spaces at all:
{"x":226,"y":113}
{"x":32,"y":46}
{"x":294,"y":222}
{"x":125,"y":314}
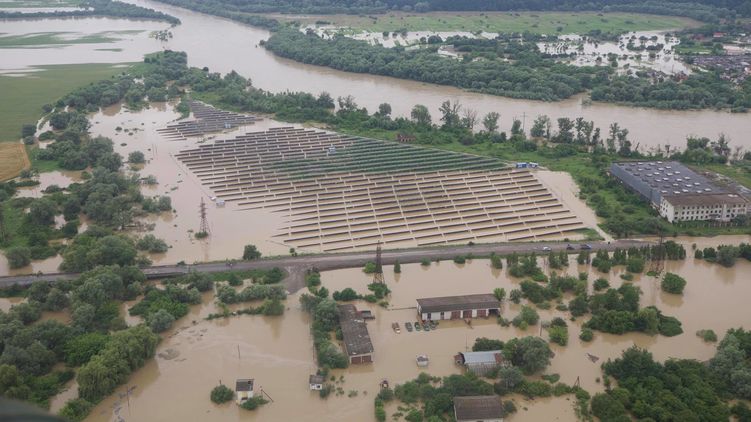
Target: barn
{"x":458,"y":307}
{"x":355,"y":335}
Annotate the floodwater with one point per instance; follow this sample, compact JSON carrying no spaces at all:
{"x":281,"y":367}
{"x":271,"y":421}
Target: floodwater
{"x":230,"y":228}
{"x":223,"y":45}
{"x":61,"y":178}
{"x":131,"y":41}
{"x":278,"y":352}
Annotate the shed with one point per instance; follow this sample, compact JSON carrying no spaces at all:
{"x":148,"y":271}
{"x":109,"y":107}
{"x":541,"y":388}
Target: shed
{"x":480,"y":363}
{"x":478,"y":409}
{"x":316,"y":382}
{"x":456,"y":307}
{"x":243,"y":390}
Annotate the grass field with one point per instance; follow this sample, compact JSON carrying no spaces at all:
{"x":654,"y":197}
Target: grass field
{"x":39,"y":3}
{"x":536,"y":22}
{"x":60,"y":38}
{"x":13,"y":159}
{"x":24,"y":96}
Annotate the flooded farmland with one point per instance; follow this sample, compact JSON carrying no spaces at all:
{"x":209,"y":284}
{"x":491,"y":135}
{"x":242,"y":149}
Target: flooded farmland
{"x":278,"y":352}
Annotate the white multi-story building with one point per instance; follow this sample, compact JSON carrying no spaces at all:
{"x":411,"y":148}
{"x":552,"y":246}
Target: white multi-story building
{"x":679,"y":193}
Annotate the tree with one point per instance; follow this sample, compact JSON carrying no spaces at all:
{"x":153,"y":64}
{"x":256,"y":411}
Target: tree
{"x":673,"y":283}
{"x":18,"y":256}
{"x":450,"y":113}
{"x":397,"y":268}
{"x":76,"y":409}
{"x":222,"y":394}
{"x":421,"y":115}
{"x":42,"y":212}
{"x":499,"y":293}
{"x":541,"y":127}
{"x":136,"y":157}
{"x":251,"y":252}
{"x":490,"y":122}
{"x":486,"y":344}
{"x":530,"y":354}
{"x":160,"y":320}
{"x":607,"y":408}
{"x":80,"y":349}
{"x":28,"y":130}
{"x":469,"y":118}
{"x":384,"y":109}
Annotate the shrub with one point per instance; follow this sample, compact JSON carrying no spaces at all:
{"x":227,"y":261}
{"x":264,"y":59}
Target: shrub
{"x":136,"y":157}
{"x":18,"y":256}
{"x":250,"y":252}
{"x":160,"y":320}
{"x":586,"y":334}
{"x":558,"y":335}
{"x":222,"y":394}
{"x":425,"y":262}
{"x":601,"y":284}
{"x":707,"y":335}
{"x":673,"y":283}
{"x":526,"y":315}
{"x":460,"y":259}
{"x":397,"y":268}
{"x":76,"y":410}
{"x":253,"y":403}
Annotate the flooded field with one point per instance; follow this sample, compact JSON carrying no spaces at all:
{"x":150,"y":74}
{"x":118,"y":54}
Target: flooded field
{"x":39,"y":42}
{"x":278,"y":352}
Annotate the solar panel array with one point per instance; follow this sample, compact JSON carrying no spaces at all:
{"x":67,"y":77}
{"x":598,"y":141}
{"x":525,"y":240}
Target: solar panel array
{"x":343,"y":192}
{"x":207,"y":120}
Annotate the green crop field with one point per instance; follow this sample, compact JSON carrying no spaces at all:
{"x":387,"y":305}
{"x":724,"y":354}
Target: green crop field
{"x":536,"y":22}
{"x":24,"y":96}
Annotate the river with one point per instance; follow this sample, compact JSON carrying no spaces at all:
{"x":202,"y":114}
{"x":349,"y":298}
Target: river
{"x":223,"y":45}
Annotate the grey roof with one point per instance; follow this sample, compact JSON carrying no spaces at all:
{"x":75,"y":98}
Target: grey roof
{"x":492,"y":356}
{"x":458,"y":303}
{"x":669,"y":177}
{"x":244,"y":384}
{"x":354,"y":331}
{"x":478,"y":407}
{"x":706,"y":200}
{"x":316,"y":379}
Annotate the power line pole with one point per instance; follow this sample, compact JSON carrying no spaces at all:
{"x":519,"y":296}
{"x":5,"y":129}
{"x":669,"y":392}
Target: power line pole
{"x":378,"y":273}
{"x":204,"y":229}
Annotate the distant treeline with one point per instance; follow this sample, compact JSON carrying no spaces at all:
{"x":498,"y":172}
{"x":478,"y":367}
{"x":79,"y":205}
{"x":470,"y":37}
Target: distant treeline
{"x":98,"y":8}
{"x":509,"y":69}
{"x":705,"y":10}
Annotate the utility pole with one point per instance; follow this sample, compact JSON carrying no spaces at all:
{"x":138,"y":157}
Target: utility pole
{"x":378,"y":273}
{"x":204,"y":229}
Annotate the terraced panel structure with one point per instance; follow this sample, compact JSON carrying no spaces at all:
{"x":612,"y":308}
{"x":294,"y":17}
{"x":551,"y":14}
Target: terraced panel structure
{"x":207,"y":119}
{"x":343,"y":192}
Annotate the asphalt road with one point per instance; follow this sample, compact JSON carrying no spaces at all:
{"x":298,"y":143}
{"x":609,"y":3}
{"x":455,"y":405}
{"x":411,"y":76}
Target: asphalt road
{"x":297,"y":266}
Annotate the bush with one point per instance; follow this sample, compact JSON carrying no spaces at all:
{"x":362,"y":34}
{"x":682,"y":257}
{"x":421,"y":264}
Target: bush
{"x":76,"y":410}
{"x":18,"y":256}
{"x":673,"y":283}
{"x":526,"y":315}
{"x":253,"y":403}
{"x":160,"y":320}
{"x":250,"y":252}
{"x":707,"y":335}
{"x":460,"y":259}
{"x":136,"y":157}
{"x":369,"y":268}
{"x":558,"y":335}
{"x":425,"y":262}
{"x":509,"y":407}
{"x":601,"y":284}
{"x":345,"y":295}
{"x":586,"y":334}
{"x":222,"y":394}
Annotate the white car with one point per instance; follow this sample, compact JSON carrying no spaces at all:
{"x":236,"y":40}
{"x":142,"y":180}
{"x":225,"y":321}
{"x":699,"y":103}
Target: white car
{"x":546,"y":248}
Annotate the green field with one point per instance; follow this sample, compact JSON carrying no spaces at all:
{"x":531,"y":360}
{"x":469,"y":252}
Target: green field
{"x":536,"y":22}
{"x":39,"y":3}
{"x":57,"y":38}
{"x":24,"y":96}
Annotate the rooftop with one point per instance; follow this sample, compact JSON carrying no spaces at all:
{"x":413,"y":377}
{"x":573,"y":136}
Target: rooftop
{"x":706,"y":199}
{"x":316,"y":379}
{"x":457,"y":303}
{"x":244,"y":384}
{"x":354,"y":331}
{"x":670,"y":177}
{"x":478,"y":407}
{"x":491,"y":356}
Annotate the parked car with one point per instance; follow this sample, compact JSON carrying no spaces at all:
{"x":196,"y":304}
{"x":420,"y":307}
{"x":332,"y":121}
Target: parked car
{"x":585,"y":246}
{"x":570,"y":247}
{"x":546,"y":248}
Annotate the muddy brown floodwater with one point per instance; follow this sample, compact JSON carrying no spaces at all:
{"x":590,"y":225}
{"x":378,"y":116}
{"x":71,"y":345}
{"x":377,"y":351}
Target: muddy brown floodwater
{"x":278,"y":353}
{"x":223,"y":45}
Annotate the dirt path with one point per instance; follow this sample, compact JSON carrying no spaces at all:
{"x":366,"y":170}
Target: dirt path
{"x":297,"y":266}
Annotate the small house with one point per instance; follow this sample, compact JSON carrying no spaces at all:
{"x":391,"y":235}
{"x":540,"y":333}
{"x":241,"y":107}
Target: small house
{"x":480,"y":363}
{"x":355,"y":336}
{"x":422,"y":361}
{"x":478,"y":409}
{"x":405,"y":138}
{"x":243,"y":390}
{"x":316,"y":382}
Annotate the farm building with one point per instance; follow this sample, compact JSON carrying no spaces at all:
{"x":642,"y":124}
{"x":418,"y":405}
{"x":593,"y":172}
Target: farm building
{"x":355,"y":335}
{"x":679,"y":193}
{"x":316,"y":382}
{"x":243,"y":390}
{"x":478,"y":409}
{"x":480,"y":363}
{"x":456,"y":307}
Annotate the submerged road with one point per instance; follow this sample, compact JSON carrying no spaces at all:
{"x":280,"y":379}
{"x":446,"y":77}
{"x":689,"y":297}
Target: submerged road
{"x":296,"y":266}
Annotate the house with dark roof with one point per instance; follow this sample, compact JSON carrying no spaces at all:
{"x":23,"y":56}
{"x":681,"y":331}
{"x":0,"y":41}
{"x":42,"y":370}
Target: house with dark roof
{"x":356,"y":339}
{"x":457,"y":307}
{"x":316,"y":382}
{"x":478,"y":409}
{"x":243,"y":390}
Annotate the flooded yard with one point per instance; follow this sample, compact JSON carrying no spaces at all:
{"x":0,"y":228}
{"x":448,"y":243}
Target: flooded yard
{"x":278,"y":352}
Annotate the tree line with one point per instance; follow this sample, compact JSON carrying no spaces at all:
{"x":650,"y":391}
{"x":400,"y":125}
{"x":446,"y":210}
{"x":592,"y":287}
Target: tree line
{"x":89,"y":8}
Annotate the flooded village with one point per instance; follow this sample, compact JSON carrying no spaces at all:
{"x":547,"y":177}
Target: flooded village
{"x":310,"y":269}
